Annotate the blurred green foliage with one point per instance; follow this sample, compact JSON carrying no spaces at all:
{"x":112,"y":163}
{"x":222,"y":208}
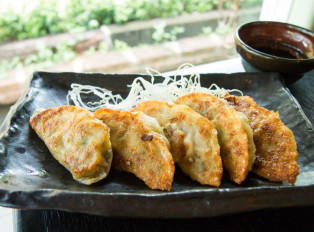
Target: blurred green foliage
{"x":161,"y":35}
{"x":44,"y":57}
{"x":51,"y":17}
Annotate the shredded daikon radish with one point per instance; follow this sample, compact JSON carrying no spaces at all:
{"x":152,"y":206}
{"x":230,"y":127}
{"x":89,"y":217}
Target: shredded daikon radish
{"x":141,"y":90}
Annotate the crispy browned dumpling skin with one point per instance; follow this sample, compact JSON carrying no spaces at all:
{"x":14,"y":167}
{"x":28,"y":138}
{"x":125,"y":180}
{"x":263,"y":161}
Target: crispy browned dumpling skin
{"x":77,"y":140}
{"x":193,"y":140}
{"x":233,"y":140}
{"x":276,"y":149}
{"x":139,"y":146}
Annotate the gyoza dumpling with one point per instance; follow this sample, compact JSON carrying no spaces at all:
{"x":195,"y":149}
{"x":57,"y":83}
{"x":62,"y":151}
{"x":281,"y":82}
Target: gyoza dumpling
{"x":234,"y":134}
{"x":78,"y":140}
{"x":139,"y":146}
{"x":276,"y":149}
{"x":193,"y":140}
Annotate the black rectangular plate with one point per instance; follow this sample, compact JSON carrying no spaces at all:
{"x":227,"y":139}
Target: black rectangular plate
{"x":30,"y":178}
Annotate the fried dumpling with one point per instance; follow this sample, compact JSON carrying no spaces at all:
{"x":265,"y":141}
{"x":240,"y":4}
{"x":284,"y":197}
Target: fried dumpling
{"x":75,"y":138}
{"x":234,"y":135}
{"x":276,"y":149}
{"x":193,"y":140}
{"x":139,"y":146}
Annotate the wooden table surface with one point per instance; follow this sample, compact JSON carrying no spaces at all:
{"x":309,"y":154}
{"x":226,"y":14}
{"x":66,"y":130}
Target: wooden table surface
{"x":282,"y":219}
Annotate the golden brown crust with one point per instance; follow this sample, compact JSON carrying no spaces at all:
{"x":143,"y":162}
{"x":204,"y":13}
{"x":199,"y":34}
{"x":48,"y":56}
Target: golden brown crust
{"x":193,"y":140}
{"x":77,"y":140}
{"x":232,"y":136}
{"x":276,"y":150}
{"x":139,"y":147}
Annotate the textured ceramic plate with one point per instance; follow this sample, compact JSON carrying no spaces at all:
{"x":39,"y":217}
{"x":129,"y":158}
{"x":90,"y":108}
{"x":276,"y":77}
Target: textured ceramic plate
{"x":32,"y":179}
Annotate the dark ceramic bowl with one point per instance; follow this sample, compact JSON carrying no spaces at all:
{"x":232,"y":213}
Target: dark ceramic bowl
{"x":276,"y":47}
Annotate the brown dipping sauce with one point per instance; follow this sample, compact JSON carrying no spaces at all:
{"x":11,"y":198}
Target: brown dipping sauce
{"x":279,"y":49}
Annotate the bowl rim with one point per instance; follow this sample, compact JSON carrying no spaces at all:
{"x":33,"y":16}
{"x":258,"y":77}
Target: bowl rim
{"x":268,"y":56}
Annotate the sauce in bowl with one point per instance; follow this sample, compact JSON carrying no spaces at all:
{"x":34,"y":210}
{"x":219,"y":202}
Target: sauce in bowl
{"x":276,"y":47}
{"x":279,"y":49}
